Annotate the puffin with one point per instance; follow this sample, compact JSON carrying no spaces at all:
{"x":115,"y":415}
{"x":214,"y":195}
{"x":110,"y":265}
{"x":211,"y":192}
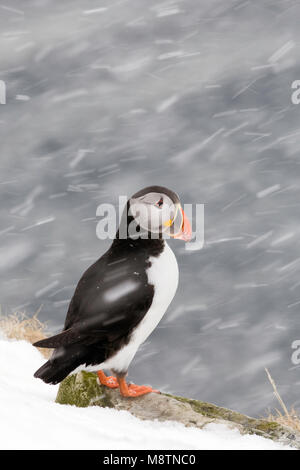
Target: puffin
{"x":121,"y":298}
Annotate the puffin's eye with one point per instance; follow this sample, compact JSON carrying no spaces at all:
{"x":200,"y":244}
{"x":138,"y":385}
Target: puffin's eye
{"x":160,"y":202}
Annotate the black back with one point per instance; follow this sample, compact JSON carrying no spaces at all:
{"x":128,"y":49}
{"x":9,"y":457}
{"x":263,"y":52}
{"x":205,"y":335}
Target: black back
{"x":113,"y":295}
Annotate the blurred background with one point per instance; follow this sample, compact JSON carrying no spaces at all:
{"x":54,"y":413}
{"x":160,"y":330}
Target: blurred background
{"x":106,"y":97}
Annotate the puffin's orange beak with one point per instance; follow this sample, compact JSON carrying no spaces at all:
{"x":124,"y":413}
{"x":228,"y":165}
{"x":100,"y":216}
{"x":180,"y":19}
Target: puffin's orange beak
{"x":185,"y":232}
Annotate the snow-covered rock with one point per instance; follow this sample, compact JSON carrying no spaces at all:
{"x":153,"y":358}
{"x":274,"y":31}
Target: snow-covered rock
{"x":30,"y":418}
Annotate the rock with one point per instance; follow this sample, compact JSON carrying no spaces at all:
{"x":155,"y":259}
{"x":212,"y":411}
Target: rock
{"x":83,"y":389}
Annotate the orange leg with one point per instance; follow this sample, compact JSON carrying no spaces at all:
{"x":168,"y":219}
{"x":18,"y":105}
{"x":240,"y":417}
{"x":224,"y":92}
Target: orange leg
{"x":110,"y":382}
{"x":133,"y":390}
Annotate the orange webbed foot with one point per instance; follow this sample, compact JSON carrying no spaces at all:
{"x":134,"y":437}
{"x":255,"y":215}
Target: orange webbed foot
{"x":138,"y":390}
{"x":133,"y":390}
{"x":110,"y":382}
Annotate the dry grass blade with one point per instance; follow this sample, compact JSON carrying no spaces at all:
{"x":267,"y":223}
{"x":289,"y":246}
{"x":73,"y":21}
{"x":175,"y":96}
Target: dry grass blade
{"x":276,"y":393}
{"x":287,"y":418}
{"x":21,"y":327}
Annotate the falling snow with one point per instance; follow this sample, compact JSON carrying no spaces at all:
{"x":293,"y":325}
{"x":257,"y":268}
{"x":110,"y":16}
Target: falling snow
{"x":104,"y":99}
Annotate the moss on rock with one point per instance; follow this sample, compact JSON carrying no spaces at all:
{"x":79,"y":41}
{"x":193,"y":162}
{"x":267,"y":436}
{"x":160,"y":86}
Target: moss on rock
{"x":82,"y":390}
{"x":251,"y":425}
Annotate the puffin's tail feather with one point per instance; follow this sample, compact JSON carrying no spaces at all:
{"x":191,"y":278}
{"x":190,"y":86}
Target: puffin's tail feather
{"x":64,"y":338}
{"x":53,"y":371}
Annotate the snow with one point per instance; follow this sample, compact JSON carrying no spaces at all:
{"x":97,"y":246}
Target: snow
{"x":30,"y":419}
{"x":122,"y":289}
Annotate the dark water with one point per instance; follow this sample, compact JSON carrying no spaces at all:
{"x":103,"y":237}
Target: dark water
{"x":106,"y":97}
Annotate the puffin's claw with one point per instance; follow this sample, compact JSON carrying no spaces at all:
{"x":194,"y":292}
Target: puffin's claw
{"x":110,"y":382}
{"x":133,"y":390}
{"x":126,"y":390}
{"x":138,"y":390}
{"x":143,"y":387}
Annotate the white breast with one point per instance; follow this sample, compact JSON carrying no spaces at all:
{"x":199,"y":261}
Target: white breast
{"x":163,"y":275}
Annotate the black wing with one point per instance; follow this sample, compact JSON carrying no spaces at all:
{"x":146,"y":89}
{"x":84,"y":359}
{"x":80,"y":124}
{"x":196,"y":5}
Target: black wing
{"x":111,"y":298}
{"x":62,"y":339}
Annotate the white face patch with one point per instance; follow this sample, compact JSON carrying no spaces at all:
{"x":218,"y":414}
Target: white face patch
{"x":153,"y":212}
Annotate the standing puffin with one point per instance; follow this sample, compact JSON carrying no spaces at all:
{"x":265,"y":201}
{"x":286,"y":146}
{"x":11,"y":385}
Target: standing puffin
{"x":121,"y":298}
